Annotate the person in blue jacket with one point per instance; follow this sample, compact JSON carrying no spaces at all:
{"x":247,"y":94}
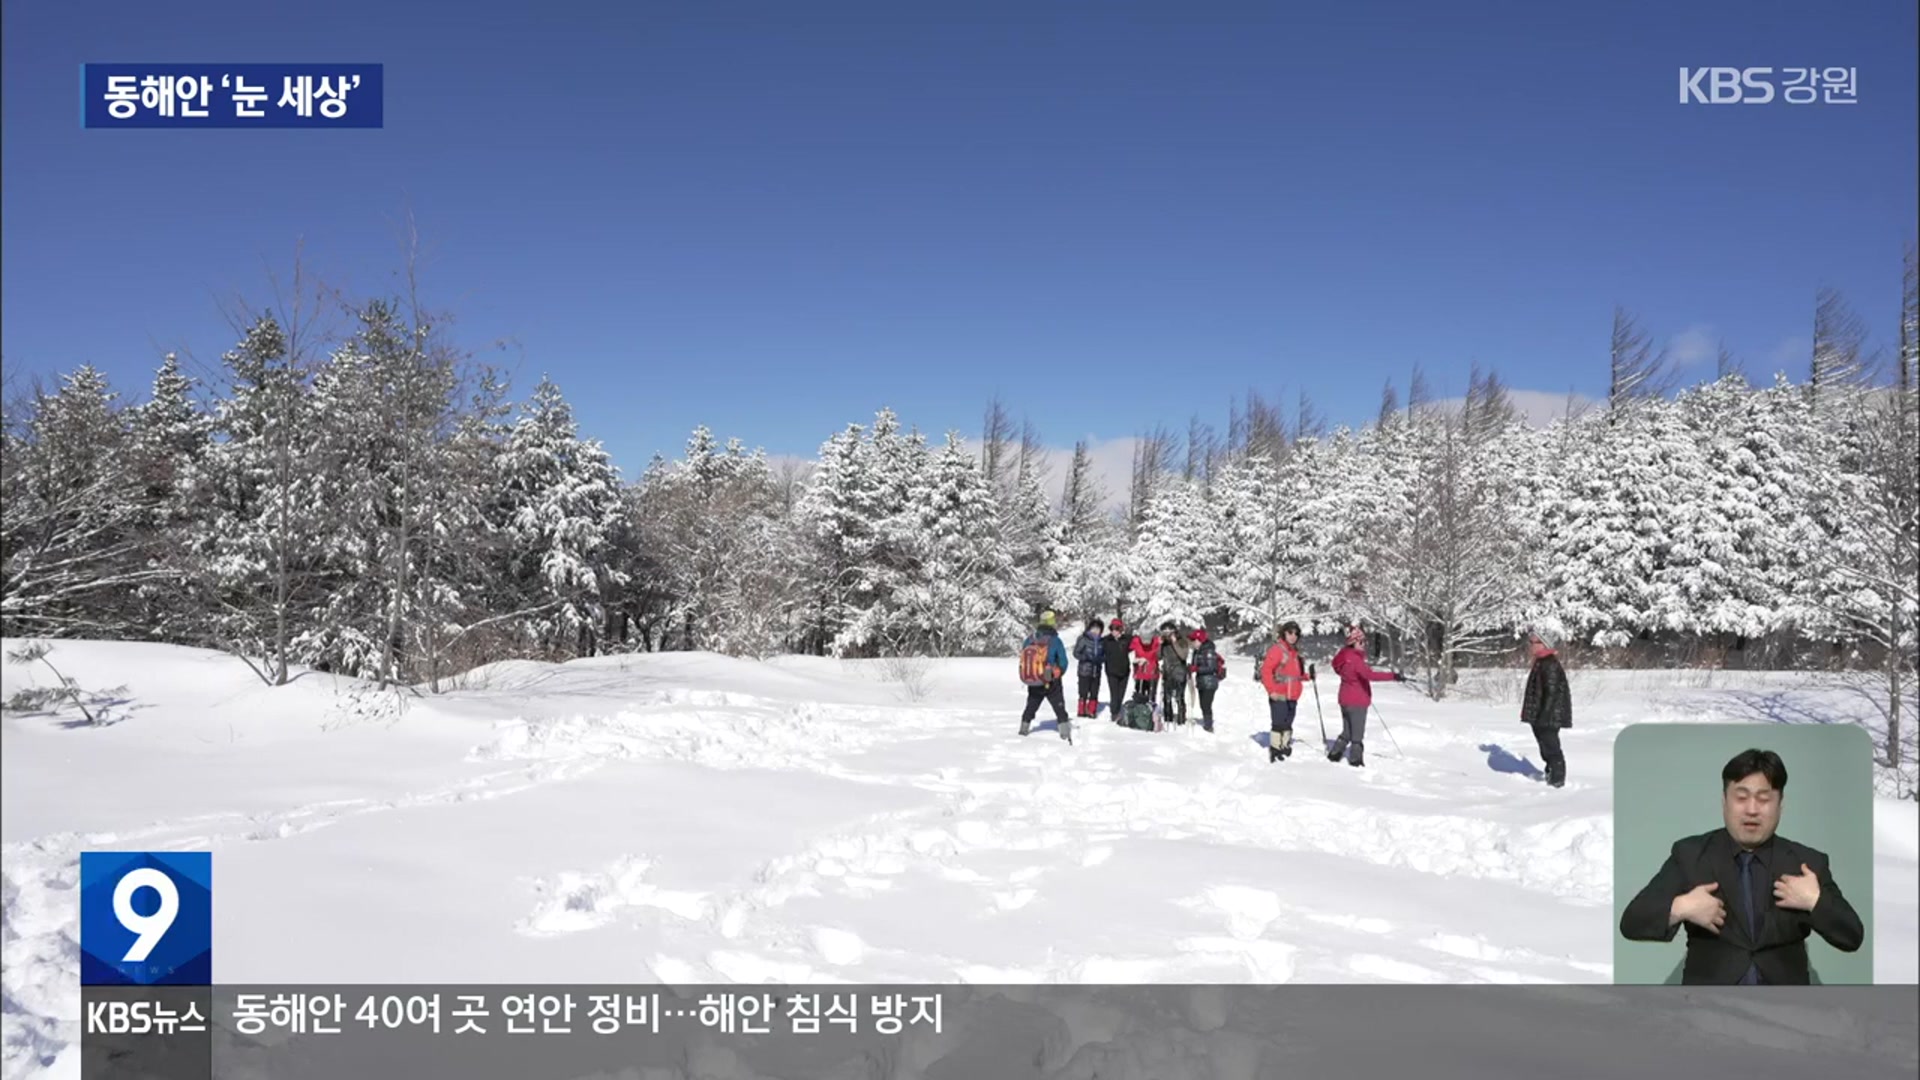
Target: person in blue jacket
{"x":1043,"y":684}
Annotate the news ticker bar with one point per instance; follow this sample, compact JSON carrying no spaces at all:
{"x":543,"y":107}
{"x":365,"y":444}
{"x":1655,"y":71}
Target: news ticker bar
{"x":1435,"y":1032}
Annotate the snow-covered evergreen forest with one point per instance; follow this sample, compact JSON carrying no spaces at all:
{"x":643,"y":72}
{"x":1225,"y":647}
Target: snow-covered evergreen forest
{"x":374,"y":502}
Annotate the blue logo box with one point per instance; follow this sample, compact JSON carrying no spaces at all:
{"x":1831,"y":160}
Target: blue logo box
{"x":146,"y":918}
{"x":231,"y":96}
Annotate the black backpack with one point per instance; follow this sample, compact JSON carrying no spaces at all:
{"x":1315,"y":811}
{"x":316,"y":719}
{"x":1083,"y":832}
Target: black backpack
{"x":1209,"y":666}
{"x":1172,"y":668}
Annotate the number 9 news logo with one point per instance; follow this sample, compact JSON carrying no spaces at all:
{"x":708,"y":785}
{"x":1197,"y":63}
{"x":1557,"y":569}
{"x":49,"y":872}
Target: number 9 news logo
{"x":146,"y":918}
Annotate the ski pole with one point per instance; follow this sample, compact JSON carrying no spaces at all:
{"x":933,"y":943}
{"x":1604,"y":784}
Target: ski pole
{"x":1314,"y":679}
{"x":1388,"y":730}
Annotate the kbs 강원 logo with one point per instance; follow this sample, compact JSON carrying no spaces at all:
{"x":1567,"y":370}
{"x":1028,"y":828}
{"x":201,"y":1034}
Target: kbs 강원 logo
{"x":1758,"y":86}
{"x":146,"y":918}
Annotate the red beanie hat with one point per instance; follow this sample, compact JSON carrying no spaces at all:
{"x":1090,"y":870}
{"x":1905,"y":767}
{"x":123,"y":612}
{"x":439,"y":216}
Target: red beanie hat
{"x":1200,"y":634}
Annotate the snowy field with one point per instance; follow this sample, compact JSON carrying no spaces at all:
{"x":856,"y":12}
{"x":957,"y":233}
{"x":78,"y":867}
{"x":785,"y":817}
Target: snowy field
{"x":690,"y":818}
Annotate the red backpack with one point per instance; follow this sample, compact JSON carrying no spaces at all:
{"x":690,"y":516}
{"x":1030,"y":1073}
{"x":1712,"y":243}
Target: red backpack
{"x":1034,"y":670}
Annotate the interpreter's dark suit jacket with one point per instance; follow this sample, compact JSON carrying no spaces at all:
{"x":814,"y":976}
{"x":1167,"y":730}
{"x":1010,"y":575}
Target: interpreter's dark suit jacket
{"x":1780,"y":951}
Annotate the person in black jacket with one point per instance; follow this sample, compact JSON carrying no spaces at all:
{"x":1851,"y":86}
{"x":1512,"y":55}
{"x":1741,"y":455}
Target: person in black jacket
{"x":1116,"y":650}
{"x":1176,"y":653}
{"x":1208,"y":667}
{"x":1547,"y":706}
{"x":1748,"y":896}
{"x":1090,"y":652}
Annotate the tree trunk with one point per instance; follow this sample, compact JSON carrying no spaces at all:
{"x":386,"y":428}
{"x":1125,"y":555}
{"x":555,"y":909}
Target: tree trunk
{"x":1893,"y":719}
{"x":1893,"y":705}
{"x":395,"y":601}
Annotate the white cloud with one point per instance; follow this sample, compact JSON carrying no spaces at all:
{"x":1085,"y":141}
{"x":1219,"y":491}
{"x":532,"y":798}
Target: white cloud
{"x":1543,"y":407}
{"x":1111,"y":461}
{"x":803,"y":465}
{"x":1112,"y":467}
{"x":1694,"y":345}
{"x":1538,"y":408}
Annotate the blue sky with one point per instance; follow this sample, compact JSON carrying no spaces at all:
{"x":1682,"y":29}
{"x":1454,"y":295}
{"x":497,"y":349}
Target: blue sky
{"x":775,"y":218}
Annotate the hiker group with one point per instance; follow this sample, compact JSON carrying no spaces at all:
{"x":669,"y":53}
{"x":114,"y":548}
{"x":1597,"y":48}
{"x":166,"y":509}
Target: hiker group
{"x":1175,"y":660}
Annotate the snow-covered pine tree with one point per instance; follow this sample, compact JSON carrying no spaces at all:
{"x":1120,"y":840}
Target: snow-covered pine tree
{"x":439,"y":541}
{"x":898,"y":463}
{"x":1321,"y":501}
{"x":836,"y":516}
{"x":356,"y":453}
{"x":961,"y":599}
{"x":1450,"y":570}
{"x":1870,"y":570}
{"x":1893,"y":534}
{"x":690,"y":537}
{"x":1259,"y":580}
{"x":1663,"y":487}
{"x":15,"y":448}
{"x":1385,"y":473}
{"x":1235,"y":504}
{"x":636,"y":615}
{"x":1089,"y":541}
{"x":558,"y":500}
{"x":1864,"y":581}
{"x":1036,"y":541}
{"x":1497,"y":584}
{"x":769,"y":581}
{"x":467,"y":607}
{"x":1719,"y":562}
{"x":715,"y":510}
{"x":1524,"y":458}
{"x":1171,"y":579}
{"x":71,"y":542}
{"x":255,"y":550}
{"x":424,"y":488}
{"x":169,"y":437}
{"x":385,"y":409}
{"x":1781,"y":438}
{"x":1594,"y":544}
{"x":1834,"y":446}
{"x":1218,"y":559}
{"x":1832,"y":443}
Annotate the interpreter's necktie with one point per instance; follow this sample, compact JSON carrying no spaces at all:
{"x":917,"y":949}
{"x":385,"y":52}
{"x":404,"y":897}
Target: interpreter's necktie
{"x":1751,"y":903}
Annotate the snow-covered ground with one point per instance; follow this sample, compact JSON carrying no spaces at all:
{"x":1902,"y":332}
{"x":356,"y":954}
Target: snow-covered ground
{"x":691,"y":818}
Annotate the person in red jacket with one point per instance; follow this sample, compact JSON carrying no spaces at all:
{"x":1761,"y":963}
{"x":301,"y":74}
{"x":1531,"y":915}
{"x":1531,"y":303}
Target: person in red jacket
{"x":1356,"y":694}
{"x":1146,"y":668}
{"x":1285,"y":678}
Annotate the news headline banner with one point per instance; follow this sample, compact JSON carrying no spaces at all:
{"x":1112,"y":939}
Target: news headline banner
{"x":960,"y":1032}
{"x":231,"y":96}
